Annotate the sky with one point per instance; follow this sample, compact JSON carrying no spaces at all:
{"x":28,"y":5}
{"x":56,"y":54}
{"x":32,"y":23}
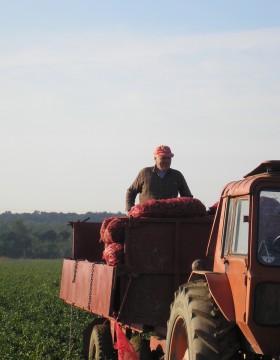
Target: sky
{"x":89,"y":88}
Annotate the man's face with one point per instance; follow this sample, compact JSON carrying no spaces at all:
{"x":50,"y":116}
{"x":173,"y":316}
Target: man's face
{"x":162,"y":162}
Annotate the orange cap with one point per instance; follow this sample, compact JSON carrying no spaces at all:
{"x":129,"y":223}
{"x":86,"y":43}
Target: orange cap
{"x":163,"y":150}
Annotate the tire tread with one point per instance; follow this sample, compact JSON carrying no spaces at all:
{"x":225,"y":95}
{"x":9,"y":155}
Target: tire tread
{"x":210,"y":336}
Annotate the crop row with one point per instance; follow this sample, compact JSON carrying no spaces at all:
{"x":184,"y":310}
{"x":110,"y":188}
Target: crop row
{"x":35,"y":323}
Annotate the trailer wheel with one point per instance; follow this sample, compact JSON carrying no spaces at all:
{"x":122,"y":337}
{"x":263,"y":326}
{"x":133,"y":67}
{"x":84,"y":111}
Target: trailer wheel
{"x":197,"y":329}
{"x":101,"y":345}
{"x":142,"y":347}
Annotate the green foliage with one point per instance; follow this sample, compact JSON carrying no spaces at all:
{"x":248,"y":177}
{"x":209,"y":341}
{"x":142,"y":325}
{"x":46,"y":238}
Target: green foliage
{"x":35,"y":323}
{"x":40,"y":235}
{"x":54,"y":217}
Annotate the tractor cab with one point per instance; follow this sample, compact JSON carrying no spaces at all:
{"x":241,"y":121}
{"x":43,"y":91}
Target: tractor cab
{"x":245,"y":250}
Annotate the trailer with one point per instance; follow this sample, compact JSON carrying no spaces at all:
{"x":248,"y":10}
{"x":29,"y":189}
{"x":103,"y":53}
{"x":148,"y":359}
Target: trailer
{"x":158,"y":257}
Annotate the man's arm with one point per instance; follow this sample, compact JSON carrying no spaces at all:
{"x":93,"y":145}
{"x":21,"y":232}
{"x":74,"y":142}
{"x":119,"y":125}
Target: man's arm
{"x":132,"y":192}
{"x":184,"y":190}
{"x":130,"y":198}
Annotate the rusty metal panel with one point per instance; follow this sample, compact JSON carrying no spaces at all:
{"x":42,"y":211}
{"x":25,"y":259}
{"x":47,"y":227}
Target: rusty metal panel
{"x":158,"y":256}
{"x":166,"y":245}
{"x":194,"y":236}
{"x":66,"y":286}
{"x":148,"y":300}
{"x":88,"y":285}
{"x":81,"y":285}
{"x":149,"y":247}
{"x":102,"y":291}
{"x":86,"y":243}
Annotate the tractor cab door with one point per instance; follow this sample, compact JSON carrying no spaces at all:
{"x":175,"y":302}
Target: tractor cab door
{"x":235,"y":251}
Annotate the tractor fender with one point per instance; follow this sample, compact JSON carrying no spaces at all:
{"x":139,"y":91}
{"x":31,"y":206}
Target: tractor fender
{"x":220,"y":290}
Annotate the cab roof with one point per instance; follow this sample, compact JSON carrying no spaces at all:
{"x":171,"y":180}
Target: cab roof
{"x":267,"y":168}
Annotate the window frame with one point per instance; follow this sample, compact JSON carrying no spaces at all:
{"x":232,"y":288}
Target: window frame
{"x":229,"y":226}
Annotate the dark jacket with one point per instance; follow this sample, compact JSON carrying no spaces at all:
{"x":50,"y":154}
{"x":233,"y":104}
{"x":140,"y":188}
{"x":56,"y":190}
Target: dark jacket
{"x":151,"y":186}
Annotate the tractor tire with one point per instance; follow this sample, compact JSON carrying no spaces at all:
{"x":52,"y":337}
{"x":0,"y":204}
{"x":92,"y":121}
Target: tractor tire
{"x":101,"y":344}
{"x":197,"y":330}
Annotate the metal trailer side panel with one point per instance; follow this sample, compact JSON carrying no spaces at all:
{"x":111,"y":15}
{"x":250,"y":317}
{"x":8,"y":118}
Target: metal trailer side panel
{"x":86,"y":244}
{"x":66,"y":283}
{"x":89,"y":286}
{"x":158,"y":258}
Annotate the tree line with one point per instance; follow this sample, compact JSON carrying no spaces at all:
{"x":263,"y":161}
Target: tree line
{"x":41,"y":235}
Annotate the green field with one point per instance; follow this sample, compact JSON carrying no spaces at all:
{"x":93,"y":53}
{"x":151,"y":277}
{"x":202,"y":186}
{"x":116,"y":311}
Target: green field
{"x":34,"y":322}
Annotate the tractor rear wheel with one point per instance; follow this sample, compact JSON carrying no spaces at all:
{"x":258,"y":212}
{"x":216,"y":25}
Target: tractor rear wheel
{"x":101,"y":344}
{"x":197,"y":330}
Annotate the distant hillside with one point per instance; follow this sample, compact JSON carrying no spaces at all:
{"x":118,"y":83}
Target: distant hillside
{"x":54,"y":217}
{"x":41,"y":234}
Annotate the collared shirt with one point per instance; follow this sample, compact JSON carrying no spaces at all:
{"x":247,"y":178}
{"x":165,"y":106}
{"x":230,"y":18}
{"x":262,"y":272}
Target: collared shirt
{"x":149,"y":185}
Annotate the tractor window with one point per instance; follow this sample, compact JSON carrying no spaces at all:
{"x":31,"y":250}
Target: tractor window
{"x":241,"y":227}
{"x":269,"y":227}
{"x":228,"y":226}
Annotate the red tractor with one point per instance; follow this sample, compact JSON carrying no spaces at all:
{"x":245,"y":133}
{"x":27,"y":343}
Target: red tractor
{"x":225,"y":272}
{"x":230,"y":306}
